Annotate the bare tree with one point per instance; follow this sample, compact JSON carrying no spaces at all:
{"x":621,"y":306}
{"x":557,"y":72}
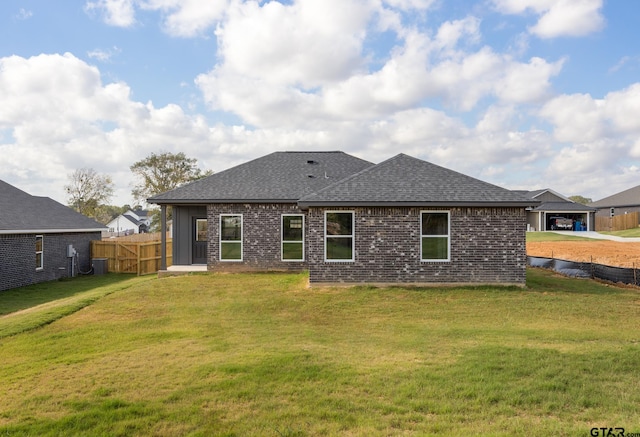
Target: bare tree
{"x":88,"y":190}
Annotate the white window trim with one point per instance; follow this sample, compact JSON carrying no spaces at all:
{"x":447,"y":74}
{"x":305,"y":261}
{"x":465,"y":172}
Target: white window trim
{"x":448,"y":259}
{"x":282,"y":242}
{"x":220,"y":240}
{"x":352,"y":236}
{"x":41,"y":252}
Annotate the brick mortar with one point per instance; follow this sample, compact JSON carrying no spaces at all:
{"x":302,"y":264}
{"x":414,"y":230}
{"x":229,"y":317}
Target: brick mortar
{"x":488,"y":245}
{"x":17,"y":257}
{"x":261,"y":225}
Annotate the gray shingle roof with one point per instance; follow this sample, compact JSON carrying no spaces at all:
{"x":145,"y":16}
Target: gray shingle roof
{"x":279,"y":176}
{"x":563,"y":207}
{"x":22,"y":212}
{"x":404,"y":180}
{"x":630,"y":197}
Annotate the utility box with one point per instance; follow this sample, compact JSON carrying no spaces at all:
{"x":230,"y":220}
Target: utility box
{"x":100,"y":265}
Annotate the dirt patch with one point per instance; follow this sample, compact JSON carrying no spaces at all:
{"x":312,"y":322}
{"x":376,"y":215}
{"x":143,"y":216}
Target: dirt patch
{"x":606,"y":252}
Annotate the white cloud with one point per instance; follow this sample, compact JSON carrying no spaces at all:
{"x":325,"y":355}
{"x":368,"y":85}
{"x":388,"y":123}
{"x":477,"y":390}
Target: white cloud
{"x":451,"y":32}
{"x":118,"y":13}
{"x":61,"y":117}
{"x":524,"y":83}
{"x":24,"y":14}
{"x":306,"y":43}
{"x":408,"y":5}
{"x":581,"y":118}
{"x":187,"y":18}
{"x":558,"y":17}
{"x":103,"y":55}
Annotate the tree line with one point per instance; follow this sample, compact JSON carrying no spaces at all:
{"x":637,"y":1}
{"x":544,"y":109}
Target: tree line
{"x":89,"y":192}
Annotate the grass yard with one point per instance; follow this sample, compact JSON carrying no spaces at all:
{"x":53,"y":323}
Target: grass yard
{"x":634,"y":232}
{"x":554,"y":236}
{"x":260,"y":354}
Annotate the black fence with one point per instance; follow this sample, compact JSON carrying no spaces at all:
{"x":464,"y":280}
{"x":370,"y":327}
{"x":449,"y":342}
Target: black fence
{"x":587,"y":270}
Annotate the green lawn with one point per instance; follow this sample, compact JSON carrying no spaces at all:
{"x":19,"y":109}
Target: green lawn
{"x":634,"y":232}
{"x":554,"y":236}
{"x":262,"y":354}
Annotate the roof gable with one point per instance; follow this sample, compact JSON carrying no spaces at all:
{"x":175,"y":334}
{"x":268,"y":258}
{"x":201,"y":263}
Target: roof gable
{"x":548,"y":195}
{"x":279,"y":176}
{"x":409,"y":181}
{"x":20,"y":211}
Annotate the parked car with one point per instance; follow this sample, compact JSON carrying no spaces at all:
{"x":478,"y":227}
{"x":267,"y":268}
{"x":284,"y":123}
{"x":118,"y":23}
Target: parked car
{"x":561,"y":223}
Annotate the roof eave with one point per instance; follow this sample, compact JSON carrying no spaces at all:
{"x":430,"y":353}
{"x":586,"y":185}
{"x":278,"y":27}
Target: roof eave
{"x":49,"y":231}
{"x":214,"y":201}
{"x":307,"y":204}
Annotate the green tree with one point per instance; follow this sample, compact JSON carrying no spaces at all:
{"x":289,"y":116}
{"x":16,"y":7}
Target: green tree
{"x":580,"y":199}
{"x":87,"y":191}
{"x":162,"y":172}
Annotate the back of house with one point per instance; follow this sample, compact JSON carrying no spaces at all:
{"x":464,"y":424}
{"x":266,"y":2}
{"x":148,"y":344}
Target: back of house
{"x":346,"y":220}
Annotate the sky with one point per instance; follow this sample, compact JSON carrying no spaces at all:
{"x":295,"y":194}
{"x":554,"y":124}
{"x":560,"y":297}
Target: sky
{"x":525,"y":94}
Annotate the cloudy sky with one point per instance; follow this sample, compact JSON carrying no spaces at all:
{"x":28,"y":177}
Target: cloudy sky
{"x":525,"y":94}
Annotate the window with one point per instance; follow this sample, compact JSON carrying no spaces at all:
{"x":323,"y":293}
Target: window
{"x":231,"y":237}
{"x":434,"y":235}
{"x":39,"y":252}
{"x":201,"y":230}
{"x":292,"y":237}
{"x":338,"y":235}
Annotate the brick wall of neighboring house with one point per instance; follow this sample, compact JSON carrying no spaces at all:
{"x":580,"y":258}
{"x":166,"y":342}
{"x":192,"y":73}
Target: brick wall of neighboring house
{"x":18,"y":259}
{"x":261,"y":238}
{"x":488,"y":245}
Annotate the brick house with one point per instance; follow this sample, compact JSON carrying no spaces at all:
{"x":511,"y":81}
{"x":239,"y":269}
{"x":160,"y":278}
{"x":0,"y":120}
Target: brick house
{"x":35,"y":235}
{"x":346,"y":220}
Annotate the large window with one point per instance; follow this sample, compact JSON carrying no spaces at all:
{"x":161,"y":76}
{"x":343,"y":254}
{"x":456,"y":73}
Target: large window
{"x":434,"y":236}
{"x":292,"y":237}
{"x":231,"y":237}
{"x":338,"y":233}
{"x":39,"y":252}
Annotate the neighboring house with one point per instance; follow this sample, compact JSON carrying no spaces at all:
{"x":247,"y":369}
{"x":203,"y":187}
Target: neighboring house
{"x":131,"y":222}
{"x":38,"y":238}
{"x":620,"y":203}
{"x":346,"y":220}
{"x":557,"y":213}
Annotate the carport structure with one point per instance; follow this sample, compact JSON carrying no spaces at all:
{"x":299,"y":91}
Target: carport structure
{"x":557,"y":212}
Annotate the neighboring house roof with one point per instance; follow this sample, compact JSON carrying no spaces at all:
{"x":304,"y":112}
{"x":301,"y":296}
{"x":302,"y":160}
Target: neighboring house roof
{"x":139,"y":214}
{"x":277,"y":177}
{"x":563,"y":207}
{"x":630,"y":197}
{"x":23,"y":213}
{"x":404,"y":180}
{"x":537,"y":193}
{"x":122,"y":220}
{"x":564,"y":204}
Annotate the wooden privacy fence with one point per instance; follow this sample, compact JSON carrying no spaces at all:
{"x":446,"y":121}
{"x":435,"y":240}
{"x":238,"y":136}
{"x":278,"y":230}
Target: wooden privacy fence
{"x":618,"y":222}
{"x":141,"y":258}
